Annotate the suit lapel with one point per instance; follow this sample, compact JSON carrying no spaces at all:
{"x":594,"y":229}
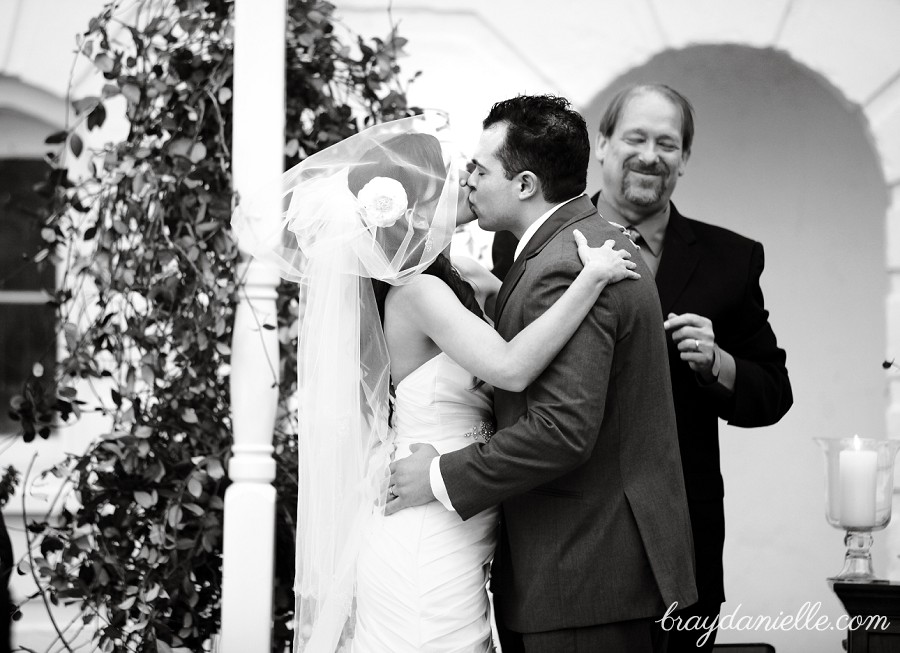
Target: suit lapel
{"x":681,"y":254}
{"x":576,"y":209}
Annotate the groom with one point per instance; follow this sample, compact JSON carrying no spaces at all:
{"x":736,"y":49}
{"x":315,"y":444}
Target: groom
{"x":595,"y":540}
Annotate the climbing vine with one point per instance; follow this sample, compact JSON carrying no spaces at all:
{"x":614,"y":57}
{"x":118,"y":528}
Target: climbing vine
{"x":146,"y":306}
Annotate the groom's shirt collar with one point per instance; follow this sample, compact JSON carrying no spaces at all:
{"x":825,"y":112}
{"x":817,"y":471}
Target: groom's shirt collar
{"x":534,"y":226}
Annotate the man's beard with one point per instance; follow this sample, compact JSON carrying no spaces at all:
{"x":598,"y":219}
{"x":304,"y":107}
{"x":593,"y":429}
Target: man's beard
{"x":641,"y":194}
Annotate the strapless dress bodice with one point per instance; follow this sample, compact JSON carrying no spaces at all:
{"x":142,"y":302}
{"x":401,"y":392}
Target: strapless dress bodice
{"x":442,"y":404}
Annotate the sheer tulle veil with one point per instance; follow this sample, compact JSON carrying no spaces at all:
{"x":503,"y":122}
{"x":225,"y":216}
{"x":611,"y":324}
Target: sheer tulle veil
{"x":379,"y":205}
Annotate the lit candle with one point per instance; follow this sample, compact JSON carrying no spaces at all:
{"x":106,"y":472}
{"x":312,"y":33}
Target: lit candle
{"x":857,"y":486}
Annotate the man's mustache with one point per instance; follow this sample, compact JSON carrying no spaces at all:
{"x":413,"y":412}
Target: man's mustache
{"x":660,"y":168}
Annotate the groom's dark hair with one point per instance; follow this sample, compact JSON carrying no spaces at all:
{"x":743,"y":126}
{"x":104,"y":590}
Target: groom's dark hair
{"x":545,"y":135}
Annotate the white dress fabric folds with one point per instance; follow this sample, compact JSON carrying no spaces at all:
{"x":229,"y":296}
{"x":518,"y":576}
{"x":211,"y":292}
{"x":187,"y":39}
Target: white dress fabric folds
{"x":422,"y":573}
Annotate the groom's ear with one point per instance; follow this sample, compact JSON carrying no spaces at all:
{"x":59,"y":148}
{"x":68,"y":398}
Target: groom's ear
{"x":529,"y":184}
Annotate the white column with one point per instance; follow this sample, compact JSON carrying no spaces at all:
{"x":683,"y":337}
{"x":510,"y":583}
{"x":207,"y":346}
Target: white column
{"x":883,"y":115}
{"x":257,"y":159}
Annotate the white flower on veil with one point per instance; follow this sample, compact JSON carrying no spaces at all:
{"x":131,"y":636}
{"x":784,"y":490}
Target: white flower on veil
{"x":382,"y":201}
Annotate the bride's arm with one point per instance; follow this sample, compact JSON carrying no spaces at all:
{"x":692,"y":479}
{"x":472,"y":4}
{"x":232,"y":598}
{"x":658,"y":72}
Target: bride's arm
{"x":434,"y":309}
{"x":486,"y":285}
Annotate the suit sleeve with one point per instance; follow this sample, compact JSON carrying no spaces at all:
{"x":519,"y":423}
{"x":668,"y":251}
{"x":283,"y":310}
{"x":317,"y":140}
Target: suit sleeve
{"x":565,"y":408}
{"x":762,"y":391}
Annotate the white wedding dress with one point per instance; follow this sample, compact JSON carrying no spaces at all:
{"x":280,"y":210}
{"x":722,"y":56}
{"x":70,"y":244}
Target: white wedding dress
{"x":422,"y":573}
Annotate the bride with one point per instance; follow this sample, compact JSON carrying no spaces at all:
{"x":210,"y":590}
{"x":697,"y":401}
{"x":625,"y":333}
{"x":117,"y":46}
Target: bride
{"x":394,"y":349}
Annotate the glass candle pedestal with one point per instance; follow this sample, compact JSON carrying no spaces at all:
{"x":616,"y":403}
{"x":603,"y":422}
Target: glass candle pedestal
{"x":859,"y":486}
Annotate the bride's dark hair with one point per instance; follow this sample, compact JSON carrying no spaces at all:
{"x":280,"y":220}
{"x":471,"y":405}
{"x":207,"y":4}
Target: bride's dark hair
{"x":443,"y":270}
{"x":424,"y":150}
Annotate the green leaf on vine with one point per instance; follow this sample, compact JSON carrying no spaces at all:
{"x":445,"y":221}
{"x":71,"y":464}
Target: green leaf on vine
{"x":195,"y":488}
{"x":76,"y":144}
{"x":96,"y":117}
{"x":132,"y":93}
{"x":104,"y":62}
{"x":85,"y":103}
{"x":57,"y":137}
{"x":145,"y":499}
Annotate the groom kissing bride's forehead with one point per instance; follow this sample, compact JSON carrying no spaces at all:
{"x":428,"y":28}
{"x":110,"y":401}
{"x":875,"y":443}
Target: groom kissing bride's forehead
{"x":594,"y":540}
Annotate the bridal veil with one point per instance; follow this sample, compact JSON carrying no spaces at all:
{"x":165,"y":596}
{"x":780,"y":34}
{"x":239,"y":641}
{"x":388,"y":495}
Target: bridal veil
{"x":379,"y":205}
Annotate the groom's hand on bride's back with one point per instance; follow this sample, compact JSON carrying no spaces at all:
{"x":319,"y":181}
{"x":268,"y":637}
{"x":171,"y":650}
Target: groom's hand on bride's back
{"x":410,"y":482}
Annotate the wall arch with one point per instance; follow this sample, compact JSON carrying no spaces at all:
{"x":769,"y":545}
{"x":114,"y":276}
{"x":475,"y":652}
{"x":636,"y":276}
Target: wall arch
{"x":27,"y":116}
{"x":24,"y":98}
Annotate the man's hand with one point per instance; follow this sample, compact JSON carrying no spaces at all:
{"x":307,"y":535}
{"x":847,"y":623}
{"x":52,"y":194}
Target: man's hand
{"x":410,"y":482}
{"x":694,"y":337}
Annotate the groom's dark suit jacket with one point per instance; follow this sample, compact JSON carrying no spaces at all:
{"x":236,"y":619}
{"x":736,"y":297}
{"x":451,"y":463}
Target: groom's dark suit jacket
{"x":713,"y":272}
{"x":595,"y":524}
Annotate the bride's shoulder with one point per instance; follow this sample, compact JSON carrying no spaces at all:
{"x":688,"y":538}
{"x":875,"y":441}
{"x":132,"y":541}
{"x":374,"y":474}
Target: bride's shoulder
{"x":425,"y":295}
{"x":420,"y":283}
{"x":421,"y":286}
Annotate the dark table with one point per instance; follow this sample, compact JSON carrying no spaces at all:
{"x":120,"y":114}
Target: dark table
{"x":876,"y":606}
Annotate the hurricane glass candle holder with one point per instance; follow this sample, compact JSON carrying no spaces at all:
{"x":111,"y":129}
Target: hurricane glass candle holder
{"x":859,"y":485}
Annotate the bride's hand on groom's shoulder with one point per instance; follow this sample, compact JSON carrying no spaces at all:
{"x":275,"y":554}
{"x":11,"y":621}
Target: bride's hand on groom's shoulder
{"x":605,"y":263}
{"x":410,"y":482}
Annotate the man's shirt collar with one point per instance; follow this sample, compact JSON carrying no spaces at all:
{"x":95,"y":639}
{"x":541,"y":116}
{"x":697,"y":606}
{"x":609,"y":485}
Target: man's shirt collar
{"x":534,"y":226}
